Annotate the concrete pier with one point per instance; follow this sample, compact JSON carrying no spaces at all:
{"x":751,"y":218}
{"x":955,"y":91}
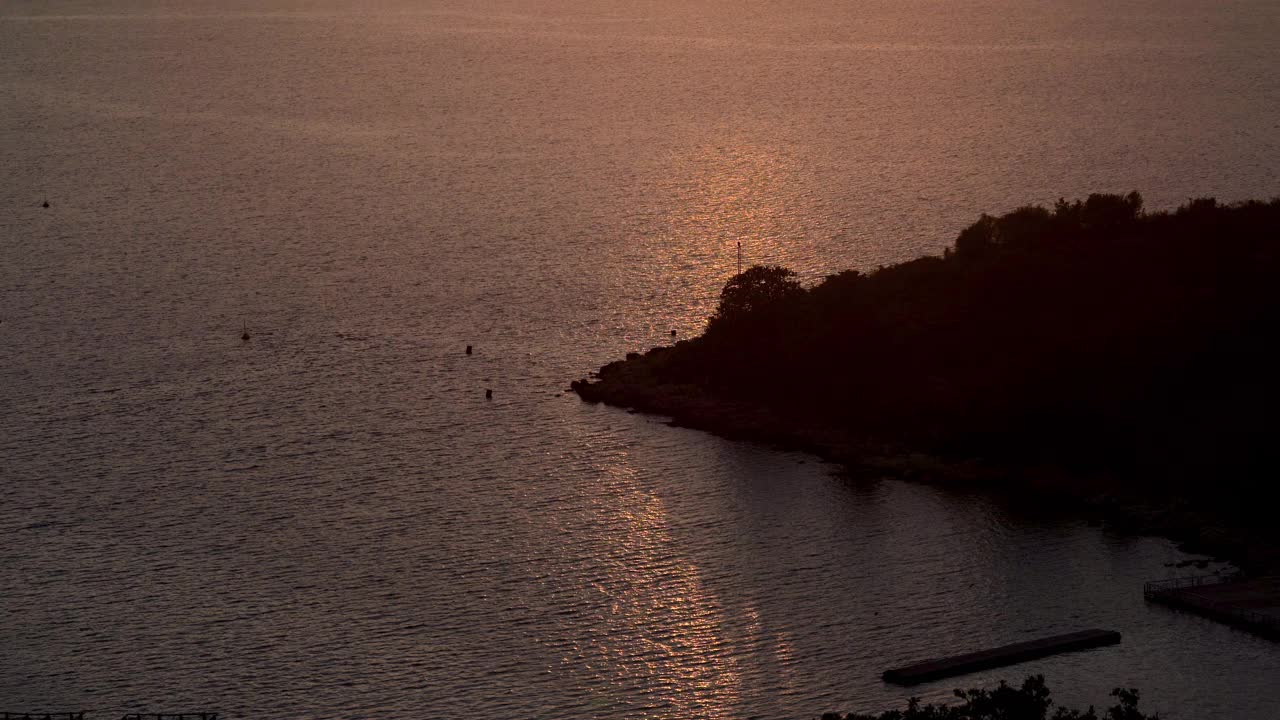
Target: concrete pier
{"x":998,"y":657}
{"x":1251,"y":604}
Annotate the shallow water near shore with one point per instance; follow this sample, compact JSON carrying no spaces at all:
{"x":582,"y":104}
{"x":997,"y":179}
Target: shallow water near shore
{"x":329,"y":520}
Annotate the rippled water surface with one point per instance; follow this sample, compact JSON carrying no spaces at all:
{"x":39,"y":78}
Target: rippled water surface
{"x":330,"y":520}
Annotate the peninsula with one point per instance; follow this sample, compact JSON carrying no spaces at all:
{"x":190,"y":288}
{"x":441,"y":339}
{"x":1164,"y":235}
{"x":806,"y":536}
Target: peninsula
{"x":1091,"y":352}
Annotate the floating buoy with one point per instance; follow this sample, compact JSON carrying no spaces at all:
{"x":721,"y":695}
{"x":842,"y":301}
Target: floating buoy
{"x":488,"y":394}
{"x":44,"y":204}
{"x":244,"y":335}
{"x":673,"y":333}
{"x":468,"y":349}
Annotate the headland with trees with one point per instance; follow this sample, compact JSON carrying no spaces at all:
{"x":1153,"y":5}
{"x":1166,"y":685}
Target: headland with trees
{"x":1120,"y":359}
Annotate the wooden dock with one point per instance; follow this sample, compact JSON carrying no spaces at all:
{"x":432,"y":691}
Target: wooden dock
{"x":999,"y":657}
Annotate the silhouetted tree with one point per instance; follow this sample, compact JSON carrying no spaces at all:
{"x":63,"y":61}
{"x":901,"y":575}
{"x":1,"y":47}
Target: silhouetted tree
{"x":977,"y":239}
{"x":1029,"y":702}
{"x":1023,"y":226}
{"x":755,"y":289}
{"x":1109,"y":212}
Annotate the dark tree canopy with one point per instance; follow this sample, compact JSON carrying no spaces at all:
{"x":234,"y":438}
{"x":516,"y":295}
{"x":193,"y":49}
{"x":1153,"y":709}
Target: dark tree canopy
{"x":1093,"y":335}
{"x":756,"y":288}
{"x":1029,"y":702}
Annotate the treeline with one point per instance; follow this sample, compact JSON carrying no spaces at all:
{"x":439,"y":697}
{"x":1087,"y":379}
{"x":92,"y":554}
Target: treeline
{"x":1092,"y":335}
{"x":1031,"y":701}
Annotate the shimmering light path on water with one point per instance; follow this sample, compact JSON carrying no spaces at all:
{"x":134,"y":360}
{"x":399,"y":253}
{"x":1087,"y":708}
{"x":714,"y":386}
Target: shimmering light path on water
{"x":330,"y":521}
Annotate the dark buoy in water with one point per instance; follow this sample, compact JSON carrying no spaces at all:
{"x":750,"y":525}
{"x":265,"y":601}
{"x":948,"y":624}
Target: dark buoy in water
{"x":468,"y":349}
{"x":244,"y":335}
{"x":673,"y":333}
{"x":44,"y":204}
{"x":488,"y":394}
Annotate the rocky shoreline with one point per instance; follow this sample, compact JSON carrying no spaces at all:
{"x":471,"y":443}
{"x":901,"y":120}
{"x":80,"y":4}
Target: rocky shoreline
{"x":634,"y":384}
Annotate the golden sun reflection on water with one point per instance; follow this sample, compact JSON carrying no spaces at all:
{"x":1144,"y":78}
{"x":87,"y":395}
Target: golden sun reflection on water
{"x":729,"y":189}
{"x":739,"y":189}
{"x":660,"y":600}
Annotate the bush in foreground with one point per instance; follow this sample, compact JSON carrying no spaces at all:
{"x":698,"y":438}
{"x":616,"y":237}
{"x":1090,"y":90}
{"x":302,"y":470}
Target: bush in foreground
{"x":1029,"y":702}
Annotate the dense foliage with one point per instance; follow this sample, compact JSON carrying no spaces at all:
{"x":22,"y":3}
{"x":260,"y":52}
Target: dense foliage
{"x":1091,"y":333}
{"x":753,"y":292}
{"x":1029,"y":702}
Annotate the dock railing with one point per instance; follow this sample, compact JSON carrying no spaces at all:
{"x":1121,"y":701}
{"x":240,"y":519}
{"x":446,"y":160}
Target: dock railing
{"x":1162,"y":591}
{"x":1154,"y":587}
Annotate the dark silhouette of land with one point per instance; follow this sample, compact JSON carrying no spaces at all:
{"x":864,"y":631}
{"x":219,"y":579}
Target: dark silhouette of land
{"x":1092,"y":352}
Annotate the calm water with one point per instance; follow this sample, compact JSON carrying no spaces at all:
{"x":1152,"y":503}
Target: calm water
{"x":330,"y":521}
